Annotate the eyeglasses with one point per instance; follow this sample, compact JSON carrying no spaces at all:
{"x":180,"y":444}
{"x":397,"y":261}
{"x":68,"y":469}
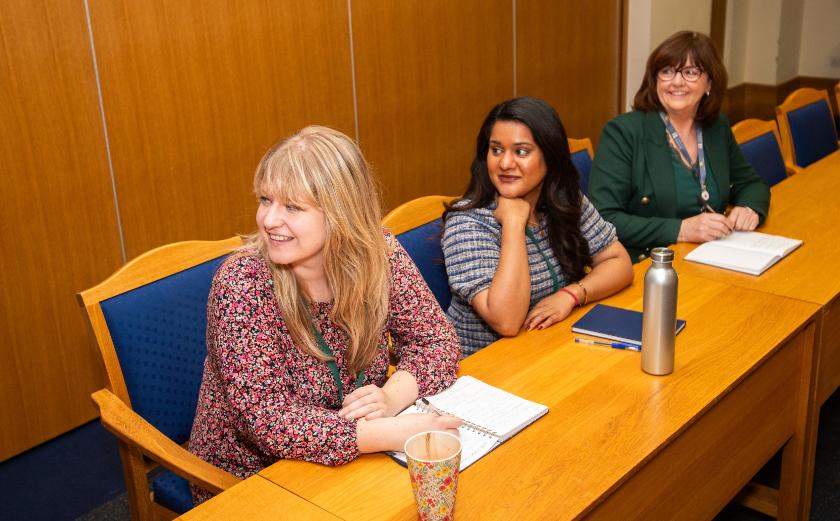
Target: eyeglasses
{"x":688,"y":73}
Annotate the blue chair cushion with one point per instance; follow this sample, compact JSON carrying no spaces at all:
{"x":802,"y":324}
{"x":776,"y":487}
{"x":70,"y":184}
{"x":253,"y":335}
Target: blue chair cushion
{"x":423,"y":246}
{"x":171,"y":490}
{"x":158,"y":332}
{"x":583,"y":163}
{"x":764,"y":155}
{"x":812,"y":129}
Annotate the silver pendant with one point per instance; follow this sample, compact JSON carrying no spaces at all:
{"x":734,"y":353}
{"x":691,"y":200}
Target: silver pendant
{"x":705,"y":196}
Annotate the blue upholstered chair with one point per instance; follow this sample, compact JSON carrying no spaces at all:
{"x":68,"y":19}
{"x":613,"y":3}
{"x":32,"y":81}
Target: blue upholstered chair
{"x":582,"y":154}
{"x":806,"y":125}
{"x":148,"y":321}
{"x":759,"y":141}
{"x":417,"y":226}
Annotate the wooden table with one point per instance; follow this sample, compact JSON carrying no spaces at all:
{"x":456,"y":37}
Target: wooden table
{"x":806,"y":206}
{"x":618,"y":443}
{"x":256,"y":499}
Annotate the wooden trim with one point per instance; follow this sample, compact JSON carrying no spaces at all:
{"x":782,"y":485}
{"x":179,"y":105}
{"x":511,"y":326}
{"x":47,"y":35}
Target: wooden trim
{"x":760,"y":498}
{"x":576,"y":145}
{"x":414,"y":213}
{"x":796,"y":99}
{"x":753,"y":100}
{"x":717,"y":32}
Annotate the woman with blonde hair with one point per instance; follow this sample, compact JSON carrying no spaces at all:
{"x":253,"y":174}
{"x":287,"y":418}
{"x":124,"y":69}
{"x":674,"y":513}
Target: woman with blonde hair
{"x":299,"y":320}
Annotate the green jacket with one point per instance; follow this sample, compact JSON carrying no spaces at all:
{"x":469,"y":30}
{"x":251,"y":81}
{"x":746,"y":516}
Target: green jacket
{"x":632,"y":180}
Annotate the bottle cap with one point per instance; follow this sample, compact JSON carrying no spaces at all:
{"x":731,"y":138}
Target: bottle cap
{"x":662,"y":255}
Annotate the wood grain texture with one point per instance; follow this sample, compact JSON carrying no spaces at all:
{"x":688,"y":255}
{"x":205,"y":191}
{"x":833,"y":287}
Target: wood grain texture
{"x":608,"y":421}
{"x":256,"y":499}
{"x":195,"y":92}
{"x":416,"y":212}
{"x":569,"y":54}
{"x":58,"y":231}
{"x":427,"y":73}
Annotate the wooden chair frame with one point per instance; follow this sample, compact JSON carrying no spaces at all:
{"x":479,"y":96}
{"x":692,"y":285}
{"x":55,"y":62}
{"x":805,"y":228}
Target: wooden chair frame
{"x":796,"y":99}
{"x":749,"y":129}
{"x":414,"y":213}
{"x":576,"y":145}
{"x":138,"y":439}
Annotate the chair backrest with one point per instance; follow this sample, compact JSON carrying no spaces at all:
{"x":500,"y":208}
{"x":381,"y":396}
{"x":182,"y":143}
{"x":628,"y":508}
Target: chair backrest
{"x":417,"y":225}
{"x":582,"y":154}
{"x":759,"y":141}
{"x":837,"y":106}
{"x":806,"y":125}
{"x":149,"y":321}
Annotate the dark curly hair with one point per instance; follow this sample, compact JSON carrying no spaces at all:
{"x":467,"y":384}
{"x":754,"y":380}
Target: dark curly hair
{"x":560,"y":197}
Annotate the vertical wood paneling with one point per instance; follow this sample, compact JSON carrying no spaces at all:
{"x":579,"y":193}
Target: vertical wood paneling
{"x":569,"y":54}
{"x":57,"y":222}
{"x":427,"y":72}
{"x":196,"y":91}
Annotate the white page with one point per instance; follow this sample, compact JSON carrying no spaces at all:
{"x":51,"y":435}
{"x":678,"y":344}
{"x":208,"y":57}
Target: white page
{"x":715,"y":254}
{"x":473,"y":444}
{"x":490,"y":407}
{"x":756,"y":241}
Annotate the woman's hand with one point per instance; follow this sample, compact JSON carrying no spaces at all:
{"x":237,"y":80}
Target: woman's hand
{"x":705,"y":227}
{"x":743,"y":218}
{"x":391,"y":433}
{"x":549,"y":311}
{"x":512,"y":212}
{"x":367,"y":402}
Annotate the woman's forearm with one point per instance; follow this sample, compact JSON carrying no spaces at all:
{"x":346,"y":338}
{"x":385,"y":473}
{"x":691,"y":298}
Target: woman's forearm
{"x":611,"y":272}
{"x":505,"y":304}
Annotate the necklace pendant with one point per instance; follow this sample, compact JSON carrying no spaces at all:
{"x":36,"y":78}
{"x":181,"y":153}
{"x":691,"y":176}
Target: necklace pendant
{"x":704,"y":195}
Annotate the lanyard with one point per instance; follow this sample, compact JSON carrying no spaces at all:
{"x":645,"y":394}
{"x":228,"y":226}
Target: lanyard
{"x":700,"y":170}
{"x":555,"y":281}
{"x":332,"y":365}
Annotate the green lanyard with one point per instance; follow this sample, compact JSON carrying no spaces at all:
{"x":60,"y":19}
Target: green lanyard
{"x":555,"y":281}
{"x":332,"y":365}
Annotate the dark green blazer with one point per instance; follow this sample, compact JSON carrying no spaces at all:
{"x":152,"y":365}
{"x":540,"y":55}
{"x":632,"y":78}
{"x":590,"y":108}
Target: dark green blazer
{"x":632,"y":180}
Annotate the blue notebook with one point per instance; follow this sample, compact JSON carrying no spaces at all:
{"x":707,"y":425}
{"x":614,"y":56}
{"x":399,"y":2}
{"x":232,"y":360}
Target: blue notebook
{"x":619,"y":324}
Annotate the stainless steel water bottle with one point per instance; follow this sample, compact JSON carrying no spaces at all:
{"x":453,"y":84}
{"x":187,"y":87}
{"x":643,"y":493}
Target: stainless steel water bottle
{"x":659,"y":315}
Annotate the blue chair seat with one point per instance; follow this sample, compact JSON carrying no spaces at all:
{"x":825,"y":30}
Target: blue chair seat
{"x":171,"y":490}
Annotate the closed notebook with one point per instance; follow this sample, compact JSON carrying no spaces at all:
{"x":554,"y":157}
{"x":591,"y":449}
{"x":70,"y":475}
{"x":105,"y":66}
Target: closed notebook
{"x":491,"y":416}
{"x":619,"y":324}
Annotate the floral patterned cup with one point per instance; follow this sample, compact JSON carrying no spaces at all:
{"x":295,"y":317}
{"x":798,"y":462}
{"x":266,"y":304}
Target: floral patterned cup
{"x":433,"y":461}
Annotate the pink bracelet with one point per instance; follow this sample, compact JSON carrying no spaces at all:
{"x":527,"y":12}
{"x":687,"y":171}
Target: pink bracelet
{"x":567,"y":290}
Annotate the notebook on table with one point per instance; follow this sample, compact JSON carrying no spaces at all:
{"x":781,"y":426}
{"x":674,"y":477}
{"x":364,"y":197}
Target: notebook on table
{"x":747,"y":252}
{"x":491,"y":416}
{"x":619,"y":324}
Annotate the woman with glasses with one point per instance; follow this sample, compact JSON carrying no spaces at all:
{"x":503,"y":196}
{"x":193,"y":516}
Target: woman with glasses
{"x":667,"y":171}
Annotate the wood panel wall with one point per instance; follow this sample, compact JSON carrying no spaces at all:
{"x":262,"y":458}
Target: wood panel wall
{"x":193,"y":92}
{"x":58,"y":229}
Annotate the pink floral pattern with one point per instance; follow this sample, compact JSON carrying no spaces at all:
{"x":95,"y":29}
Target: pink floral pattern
{"x":263,"y":399}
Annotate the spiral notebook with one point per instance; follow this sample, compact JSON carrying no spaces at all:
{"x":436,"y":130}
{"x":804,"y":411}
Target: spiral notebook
{"x":491,"y":416}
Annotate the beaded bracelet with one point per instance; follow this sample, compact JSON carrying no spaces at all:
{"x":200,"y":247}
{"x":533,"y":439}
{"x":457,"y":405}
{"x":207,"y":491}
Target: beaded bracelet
{"x":570,"y":292}
{"x":585,"y":294}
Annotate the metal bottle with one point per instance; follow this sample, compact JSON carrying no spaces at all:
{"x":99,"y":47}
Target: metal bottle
{"x":659,"y":322}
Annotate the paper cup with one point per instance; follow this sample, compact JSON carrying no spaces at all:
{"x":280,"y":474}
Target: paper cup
{"x":433,"y":459}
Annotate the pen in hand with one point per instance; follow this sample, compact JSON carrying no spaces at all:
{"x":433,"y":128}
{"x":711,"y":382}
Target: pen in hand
{"x":615,"y":345}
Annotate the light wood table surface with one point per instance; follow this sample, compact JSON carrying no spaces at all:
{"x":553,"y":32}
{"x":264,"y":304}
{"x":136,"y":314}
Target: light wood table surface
{"x":618,"y":443}
{"x":256,"y":499}
{"x":805,"y":206}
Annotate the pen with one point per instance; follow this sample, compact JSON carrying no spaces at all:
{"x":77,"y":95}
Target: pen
{"x":616,"y":345}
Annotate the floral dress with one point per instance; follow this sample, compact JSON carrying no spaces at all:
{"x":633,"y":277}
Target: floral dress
{"x":263,"y":399}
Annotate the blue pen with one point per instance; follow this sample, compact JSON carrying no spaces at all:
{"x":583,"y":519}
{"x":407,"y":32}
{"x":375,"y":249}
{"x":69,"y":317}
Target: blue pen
{"x":616,"y":345}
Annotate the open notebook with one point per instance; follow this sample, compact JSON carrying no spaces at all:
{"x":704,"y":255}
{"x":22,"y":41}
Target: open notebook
{"x":491,"y":416}
{"x":747,"y":252}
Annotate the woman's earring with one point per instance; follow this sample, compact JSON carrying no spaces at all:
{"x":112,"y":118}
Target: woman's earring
{"x":708,"y":92}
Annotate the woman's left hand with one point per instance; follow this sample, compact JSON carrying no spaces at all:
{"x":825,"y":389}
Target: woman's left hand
{"x":743,"y":218}
{"x":367,"y":402}
{"x":549,"y":311}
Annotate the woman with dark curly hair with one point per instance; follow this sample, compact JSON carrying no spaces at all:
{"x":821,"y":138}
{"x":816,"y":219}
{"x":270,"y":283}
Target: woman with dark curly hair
{"x":524,"y":246}
{"x":667,"y":171}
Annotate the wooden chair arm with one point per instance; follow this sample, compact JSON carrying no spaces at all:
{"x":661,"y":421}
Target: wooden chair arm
{"x":130,"y":427}
{"x":793,"y":169}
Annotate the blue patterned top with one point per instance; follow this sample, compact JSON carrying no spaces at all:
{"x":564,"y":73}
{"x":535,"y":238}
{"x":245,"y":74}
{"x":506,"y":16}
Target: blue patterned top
{"x":471,"y":246}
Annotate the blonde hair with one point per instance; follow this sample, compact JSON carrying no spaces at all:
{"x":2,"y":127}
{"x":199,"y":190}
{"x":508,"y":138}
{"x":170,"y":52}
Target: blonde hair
{"x":322,"y":167}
